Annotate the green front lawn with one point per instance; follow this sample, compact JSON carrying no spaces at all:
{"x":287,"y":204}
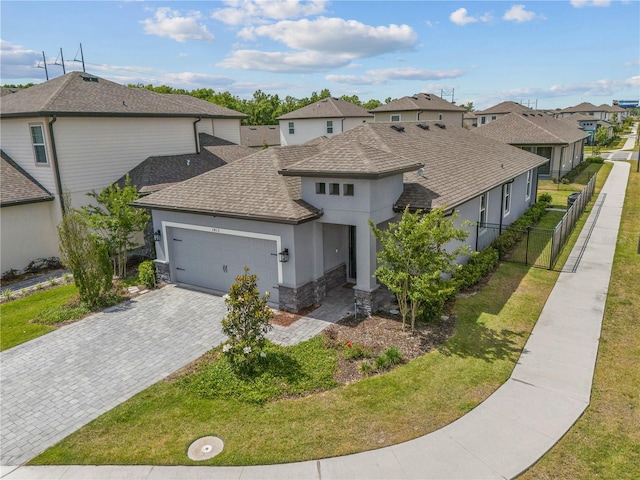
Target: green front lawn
{"x":559,"y":191}
{"x":16,"y":315}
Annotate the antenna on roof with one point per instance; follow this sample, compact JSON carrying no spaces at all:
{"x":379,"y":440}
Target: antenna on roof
{"x":75,"y":59}
{"x":64,"y":71}
{"x":44,"y":60}
{"x":448,"y":94}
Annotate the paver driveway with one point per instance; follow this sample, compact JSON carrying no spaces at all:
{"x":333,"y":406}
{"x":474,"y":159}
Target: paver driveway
{"x":53,"y":385}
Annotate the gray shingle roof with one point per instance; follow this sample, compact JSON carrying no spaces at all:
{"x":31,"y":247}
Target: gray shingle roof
{"x":419,"y":101}
{"x":458,"y":165}
{"x":583,"y":107}
{"x":258,"y":135}
{"x":327,"y":108}
{"x":248,"y":188}
{"x":506,"y":107}
{"x":81,"y":94}
{"x":17,"y":187}
{"x":531,"y":129}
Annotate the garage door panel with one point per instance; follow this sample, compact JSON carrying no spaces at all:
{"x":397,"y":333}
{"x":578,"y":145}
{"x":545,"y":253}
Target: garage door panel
{"x":213,"y":260}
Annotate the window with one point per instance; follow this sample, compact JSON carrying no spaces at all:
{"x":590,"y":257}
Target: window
{"x":493,"y":117}
{"x":39,"y":149}
{"x":334,"y":189}
{"x":321,"y":188}
{"x":329,"y":126}
{"x":528,"y":194}
{"x":506,"y":199}
{"x":482,"y":217}
{"x":348,"y":190}
{"x":395,"y":118}
{"x":292,"y":129}
{"x":439,"y":116}
{"x":483,"y":120}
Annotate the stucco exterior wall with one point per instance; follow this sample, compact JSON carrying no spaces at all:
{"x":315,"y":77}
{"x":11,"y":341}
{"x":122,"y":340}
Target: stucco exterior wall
{"x":452,"y":118}
{"x":306,"y":129}
{"x":27,"y":232}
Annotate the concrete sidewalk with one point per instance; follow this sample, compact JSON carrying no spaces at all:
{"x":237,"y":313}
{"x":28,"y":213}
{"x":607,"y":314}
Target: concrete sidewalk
{"x":549,"y":389}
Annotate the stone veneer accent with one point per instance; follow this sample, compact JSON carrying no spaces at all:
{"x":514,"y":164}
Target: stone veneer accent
{"x":163,"y":273}
{"x":295,"y":299}
{"x":368,"y":302}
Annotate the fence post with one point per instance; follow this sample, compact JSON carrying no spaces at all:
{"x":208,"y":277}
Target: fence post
{"x":526,"y":252}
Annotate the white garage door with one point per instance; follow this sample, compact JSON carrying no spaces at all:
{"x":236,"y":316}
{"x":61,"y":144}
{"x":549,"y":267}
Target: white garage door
{"x":213,"y":260}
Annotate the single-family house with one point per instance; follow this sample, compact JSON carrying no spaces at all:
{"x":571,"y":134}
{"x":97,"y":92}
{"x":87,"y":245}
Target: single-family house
{"x":420,"y":107}
{"x":500,"y":110}
{"x":609,"y":113}
{"x":590,"y":125}
{"x":560,"y":142}
{"x":260,"y":136}
{"x":326,"y":117}
{"x":298,"y":216}
{"x":79,"y":132}
{"x":26,"y":217}
{"x":469,"y":120}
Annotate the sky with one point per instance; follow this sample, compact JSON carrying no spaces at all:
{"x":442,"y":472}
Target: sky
{"x":544,"y":54}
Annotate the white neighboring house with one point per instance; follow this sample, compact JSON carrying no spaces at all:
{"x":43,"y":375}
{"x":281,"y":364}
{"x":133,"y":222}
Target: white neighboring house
{"x":297,"y":216}
{"x":590,"y":125}
{"x":324,"y":118}
{"x":420,"y":107}
{"x":78,"y":133}
{"x":608,"y":113}
{"x":500,"y":110}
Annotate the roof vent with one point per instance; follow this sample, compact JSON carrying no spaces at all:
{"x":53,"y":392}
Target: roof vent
{"x":441,"y":125}
{"x":398,"y":128}
{"x":89,"y":78}
{"x":423,"y":126}
{"x":414,"y":97}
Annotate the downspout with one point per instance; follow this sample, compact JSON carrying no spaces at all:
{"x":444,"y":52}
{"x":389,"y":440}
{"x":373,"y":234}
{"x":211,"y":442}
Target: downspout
{"x":195,"y":135}
{"x":502,"y":204}
{"x":55,"y":164}
{"x":418,"y":117}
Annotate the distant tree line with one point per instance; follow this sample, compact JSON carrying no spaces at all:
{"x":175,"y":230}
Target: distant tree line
{"x":263,"y":108}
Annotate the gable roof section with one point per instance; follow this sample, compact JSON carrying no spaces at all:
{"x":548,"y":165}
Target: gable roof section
{"x":17,"y":187}
{"x":258,"y":135}
{"x":583,"y":107}
{"x":249,"y":188}
{"x":327,"y":108}
{"x":506,"y":107}
{"x":419,"y":101}
{"x":82,"y":94}
{"x":531,"y":129}
{"x":576,"y":118}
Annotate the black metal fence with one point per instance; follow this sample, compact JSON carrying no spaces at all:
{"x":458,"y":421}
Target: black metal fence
{"x":541,"y":247}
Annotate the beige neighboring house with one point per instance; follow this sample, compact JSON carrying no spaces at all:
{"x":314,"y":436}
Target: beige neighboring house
{"x":260,"y":136}
{"x":420,"y":107}
{"x":26,"y":217}
{"x":500,"y":110}
{"x":562,"y":143}
{"x":326,"y":117}
{"x":603,"y":112}
{"x":590,"y":125}
{"x":298,"y":216}
{"x":78,"y":133}
{"x":469,"y":120}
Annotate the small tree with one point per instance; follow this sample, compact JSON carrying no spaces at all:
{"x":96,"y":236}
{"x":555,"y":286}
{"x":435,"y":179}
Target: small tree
{"x":86,"y":257}
{"x":247,"y":321}
{"x":116,"y":220}
{"x":413,"y":262}
{"x":601,"y":138}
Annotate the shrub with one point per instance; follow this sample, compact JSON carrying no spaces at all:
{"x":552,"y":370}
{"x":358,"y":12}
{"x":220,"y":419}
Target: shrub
{"x":7,"y":294}
{"x":596,"y":159}
{"x":64,"y":313}
{"x":393,"y":355}
{"x":147,"y":273}
{"x":10,"y":274}
{"x":354,"y":351}
{"x":545,"y":198}
{"x":479,"y":265}
{"x":381,"y":363}
{"x":366,"y":367}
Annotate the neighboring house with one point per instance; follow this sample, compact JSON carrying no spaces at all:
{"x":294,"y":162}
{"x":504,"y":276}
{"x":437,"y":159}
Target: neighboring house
{"x":609,"y":113}
{"x":260,"y":136}
{"x":469,"y":120}
{"x":560,"y":142}
{"x":327,"y":117}
{"x":420,"y":107}
{"x":590,"y":125}
{"x":78,"y":132}
{"x":26,"y":217}
{"x":298,"y":216}
{"x":500,"y":110}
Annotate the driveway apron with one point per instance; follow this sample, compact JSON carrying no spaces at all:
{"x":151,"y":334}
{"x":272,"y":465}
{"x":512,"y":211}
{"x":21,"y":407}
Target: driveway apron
{"x":55,"y":384}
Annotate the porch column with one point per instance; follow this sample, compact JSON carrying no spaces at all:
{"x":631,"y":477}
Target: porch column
{"x":365,"y":289}
{"x":320,"y":283}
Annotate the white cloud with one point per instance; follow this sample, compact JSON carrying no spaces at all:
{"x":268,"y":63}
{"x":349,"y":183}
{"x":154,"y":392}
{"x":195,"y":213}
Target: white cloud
{"x":590,"y":3}
{"x":169,"y":23}
{"x":384,"y":76}
{"x":286,"y":62}
{"x":337,"y":36}
{"x":633,"y":81}
{"x":250,"y":12}
{"x":19,"y":62}
{"x":632,"y":63}
{"x":597,"y":88}
{"x":462,"y":17}
{"x":518,"y":13}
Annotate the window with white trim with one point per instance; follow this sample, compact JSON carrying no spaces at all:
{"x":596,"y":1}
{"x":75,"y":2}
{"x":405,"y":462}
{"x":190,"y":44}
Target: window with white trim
{"x":395,"y":118}
{"x":506,"y":199}
{"x":39,"y":147}
{"x":482,"y":216}
{"x":329,"y":126}
{"x":348,"y":190}
{"x":321,"y":188}
{"x":483,"y":120}
{"x":334,"y":189}
{"x":292,"y":128}
{"x":529,"y":184}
